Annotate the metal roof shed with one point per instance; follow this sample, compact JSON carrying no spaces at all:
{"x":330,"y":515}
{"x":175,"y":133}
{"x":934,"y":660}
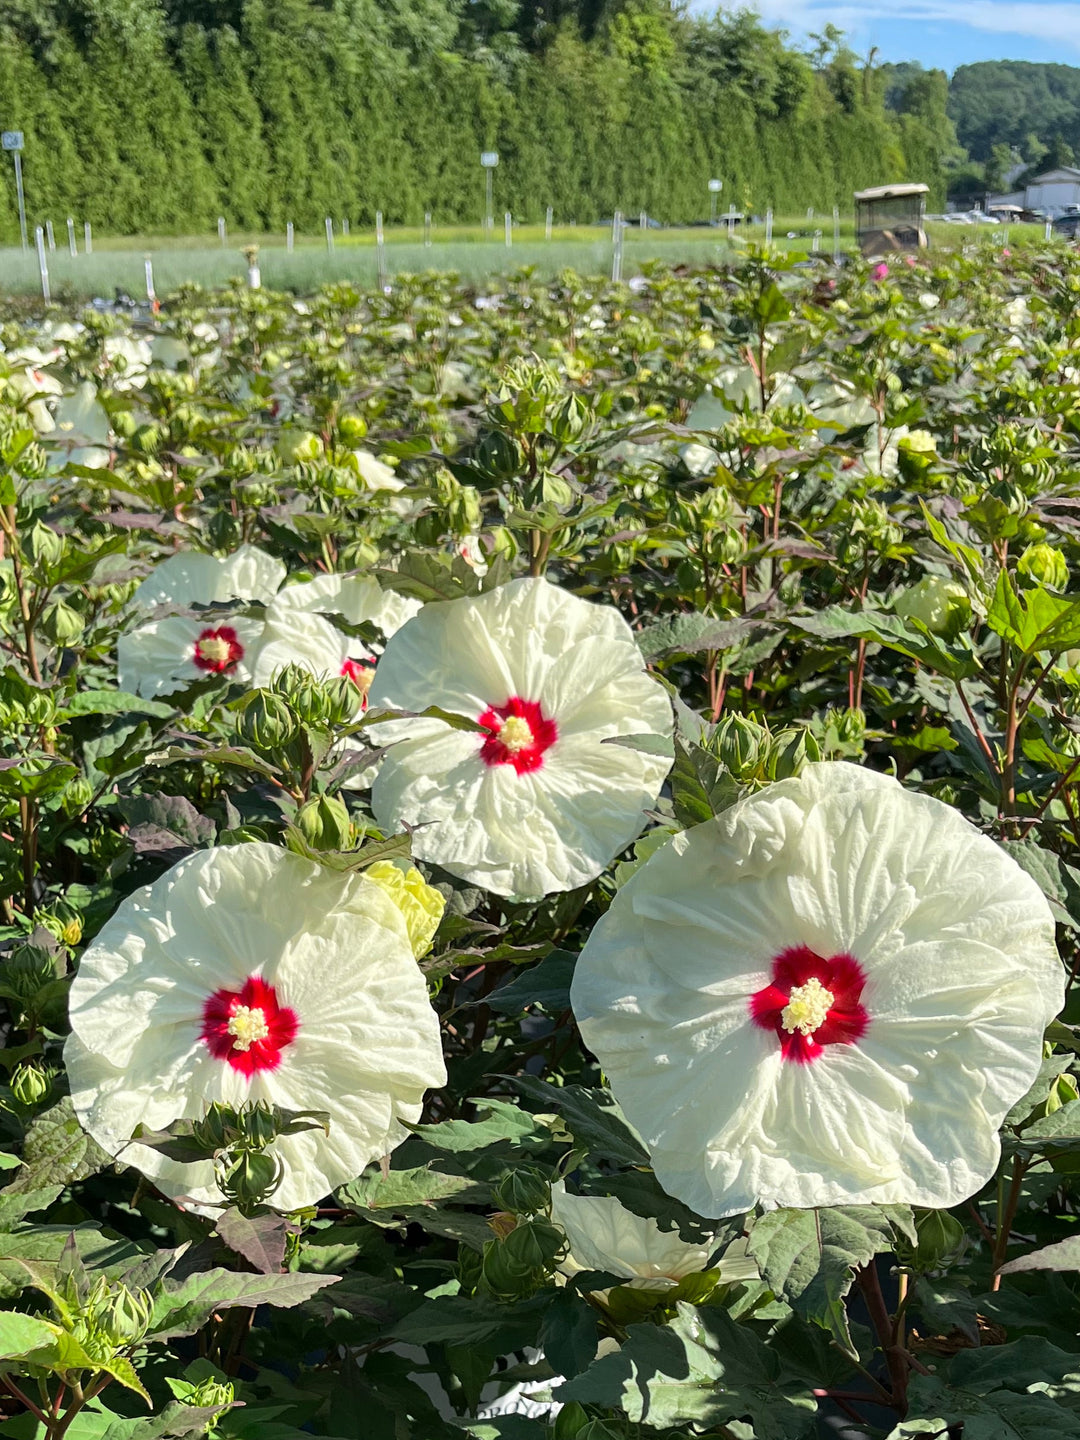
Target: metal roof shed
{"x":890,"y":217}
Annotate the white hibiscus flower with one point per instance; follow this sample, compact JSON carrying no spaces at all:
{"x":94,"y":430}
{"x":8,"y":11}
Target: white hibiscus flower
{"x":166,"y":654}
{"x":536,"y":802}
{"x":830,"y":994}
{"x":246,"y":973}
{"x":375,"y":473}
{"x":603,"y":1235}
{"x":163,"y":655}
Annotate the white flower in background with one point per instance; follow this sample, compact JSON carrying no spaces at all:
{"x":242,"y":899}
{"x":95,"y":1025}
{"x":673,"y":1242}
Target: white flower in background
{"x":163,"y":655}
{"x":311,"y":642}
{"x":375,"y":474}
{"x":81,"y":431}
{"x":472,"y":552}
{"x":535,"y":802}
{"x":1017,"y":312}
{"x":246,"y":973}
{"x":31,"y":386}
{"x":830,"y":994}
{"x":603,"y":1235}
{"x":126,"y":361}
{"x":356,"y":598}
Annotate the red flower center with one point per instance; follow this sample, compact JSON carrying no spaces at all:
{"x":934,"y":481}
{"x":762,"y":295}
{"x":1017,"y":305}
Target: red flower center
{"x":361,"y":673}
{"x":218,"y":650}
{"x":248,"y":1028}
{"x":811,"y":1003}
{"x":518,"y":735}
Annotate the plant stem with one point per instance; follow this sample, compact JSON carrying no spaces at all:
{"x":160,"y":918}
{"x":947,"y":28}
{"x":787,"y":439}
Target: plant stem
{"x":896,"y":1357}
{"x":1007,"y":1206}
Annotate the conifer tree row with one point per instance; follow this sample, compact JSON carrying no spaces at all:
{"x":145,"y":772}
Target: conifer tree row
{"x":156,"y":116}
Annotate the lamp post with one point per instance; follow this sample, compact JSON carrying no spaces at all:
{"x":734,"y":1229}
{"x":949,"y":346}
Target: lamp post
{"x":13,"y":140}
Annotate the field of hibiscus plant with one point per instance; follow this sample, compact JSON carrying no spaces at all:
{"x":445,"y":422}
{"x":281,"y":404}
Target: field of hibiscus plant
{"x":540,"y":859}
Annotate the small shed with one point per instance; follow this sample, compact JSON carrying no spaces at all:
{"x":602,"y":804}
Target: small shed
{"x":890,"y":217}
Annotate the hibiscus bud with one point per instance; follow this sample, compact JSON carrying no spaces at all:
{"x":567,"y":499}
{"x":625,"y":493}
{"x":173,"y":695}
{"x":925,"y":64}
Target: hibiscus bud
{"x":76,"y":795}
{"x":125,"y":1317}
{"x":941,"y":1239}
{"x":43,"y":545}
{"x":535,"y":1245}
{"x":27,"y":969}
{"x":297,"y":446}
{"x":421,"y":905}
{"x":525,"y":1191}
{"x":306,"y":696}
{"x":1062,"y":1091}
{"x":251,"y":1178}
{"x":792,"y":749}
{"x":30,"y":1084}
{"x":739,"y":743}
{"x":266,"y":721}
{"x":352,"y":428}
{"x":341,"y":698}
{"x":570,"y":418}
{"x":498,"y":456}
{"x":941,"y":605}
{"x":39,"y":709}
{"x":570,"y":1422}
{"x":324,"y":823}
{"x":60,"y":623}
{"x":211,"y":1394}
{"x":504,"y":1273}
{"x":1044,"y":564}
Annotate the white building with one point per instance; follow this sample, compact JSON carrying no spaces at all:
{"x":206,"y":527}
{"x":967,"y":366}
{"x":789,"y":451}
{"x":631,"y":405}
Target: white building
{"x":1053,"y":192}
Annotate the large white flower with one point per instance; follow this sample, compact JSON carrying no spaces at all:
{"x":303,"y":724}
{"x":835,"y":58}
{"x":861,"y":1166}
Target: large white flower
{"x":246,"y":973}
{"x":603,"y":1235}
{"x":356,"y":598}
{"x":830,"y":994}
{"x":536,"y":802}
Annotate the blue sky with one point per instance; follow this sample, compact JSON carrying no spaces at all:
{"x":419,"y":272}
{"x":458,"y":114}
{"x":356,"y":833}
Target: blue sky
{"x":942,"y":33}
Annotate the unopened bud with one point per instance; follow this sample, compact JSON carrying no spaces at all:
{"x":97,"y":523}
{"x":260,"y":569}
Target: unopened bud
{"x":525,"y":1191}
{"x":30,"y":1084}
{"x":1044,"y":564}
{"x":324,"y":823}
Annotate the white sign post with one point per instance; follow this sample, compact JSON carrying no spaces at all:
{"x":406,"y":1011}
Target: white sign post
{"x":768,"y":226}
{"x":329,"y":223}
{"x":642,"y":220}
{"x":344,"y":227}
{"x":88,"y":238}
{"x":617,"y":244}
{"x":380,"y":251}
{"x":715,"y":186}
{"x":148,"y":266}
{"x":49,"y":235}
{"x":43,"y":265}
{"x":427,"y":228}
{"x":547,"y":222}
{"x":221,"y":228}
{"x":13,"y":140}
{"x":508,"y":228}
{"x":836,"y":234}
{"x":290,"y":236}
{"x":488,"y":159}
{"x":73,"y":249}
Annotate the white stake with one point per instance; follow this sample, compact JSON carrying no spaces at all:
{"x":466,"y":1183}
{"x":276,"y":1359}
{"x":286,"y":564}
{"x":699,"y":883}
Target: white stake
{"x":43,"y":268}
{"x":768,"y":226}
{"x":427,"y":227}
{"x":221,"y":228}
{"x":378,"y":228}
{"x":329,"y":233}
{"x":380,"y":250}
{"x":1049,"y":230}
{"x":547,"y":223}
{"x":344,"y":227}
{"x":617,"y":244}
{"x":836,"y":234}
{"x":508,"y":228}
{"x":72,"y":247}
{"x":817,"y":242}
{"x":88,"y":238}
{"x":148,"y":265}
{"x":289,"y":236}
{"x":254,"y":277}
{"x":642,"y":220}
{"x":49,"y":233}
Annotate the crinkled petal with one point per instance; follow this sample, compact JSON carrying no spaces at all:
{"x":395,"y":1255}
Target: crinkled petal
{"x":158,"y":657}
{"x":191,"y":578}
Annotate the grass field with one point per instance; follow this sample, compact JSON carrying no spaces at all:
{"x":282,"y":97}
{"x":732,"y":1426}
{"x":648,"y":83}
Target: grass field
{"x":119,"y":263}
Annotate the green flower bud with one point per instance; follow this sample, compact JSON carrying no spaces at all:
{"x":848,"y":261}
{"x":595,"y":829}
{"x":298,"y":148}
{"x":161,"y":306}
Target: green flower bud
{"x":307,"y":698}
{"x":941,"y":605}
{"x":27,"y":969}
{"x":324,"y":823}
{"x":504,"y":1275}
{"x":211,"y":1394}
{"x":739,"y":744}
{"x":128,"y":1316}
{"x":147,"y":438}
{"x":470,"y":1268}
{"x":498,"y":456}
{"x":1062,"y":1091}
{"x":251,"y":1177}
{"x":123,"y":423}
{"x":792,"y":749}
{"x":44,"y":545}
{"x":60,"y":623}
{"x":569,"y":420}
{"x":352,"y":428}
{"x":1044,"y":564}
{"x":298,"y":446}
{"x":76,"y":795}
{"x":40,"y":708}
{"x":266,"y":721}
{"x":941,"y":1239}
{"x":30,"y":1084}
{"x":525,"y":1191}
{"x":534,"y":1245}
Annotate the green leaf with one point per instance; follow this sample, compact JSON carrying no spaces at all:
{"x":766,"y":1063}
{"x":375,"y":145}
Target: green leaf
{"x":569,"y":1334}
{"x":459,"y":1320}
{"x":591,"y":1116}
{"x":1065,"y":1255}
{"x":546,"y":984}
{"x":501,"y":1122}
{"x":1059,"y":882}
{"x":1034,"y":620}
{"x":185,"y":1308}
{"x":913,"y":640}
{"x":644,"y":744}
{"x":13,"y":1206}
{"x":260,"y":1239}
{"x":1001,"y":1415}
{"x":702,"y":1369}
{"x":689,"y":634}
{"x":810,"y":1256}
{"x":115,"y":702}
{"x":700,"y":785}
{"x":57,"y":1151}
{"x":21,"y":1335}
{"x":404,"y":1188}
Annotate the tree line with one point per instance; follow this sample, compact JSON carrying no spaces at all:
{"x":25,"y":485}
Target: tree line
{"x":157,"y":116}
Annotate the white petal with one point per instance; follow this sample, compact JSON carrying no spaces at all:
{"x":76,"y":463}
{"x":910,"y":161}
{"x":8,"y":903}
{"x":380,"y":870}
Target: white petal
{"x":190,"y":578}
{"x":299,"y":638}
{"x":158,"y":657}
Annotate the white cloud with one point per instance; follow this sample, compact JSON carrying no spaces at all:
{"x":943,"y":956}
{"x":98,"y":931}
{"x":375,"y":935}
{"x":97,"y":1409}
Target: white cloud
{"x":1053,"y":20}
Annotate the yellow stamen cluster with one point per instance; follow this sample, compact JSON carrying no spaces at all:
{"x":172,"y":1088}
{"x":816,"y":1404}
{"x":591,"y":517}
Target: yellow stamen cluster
{"x":214,"y":649}
{"x":807,"y":1008}
{"x":516,"y":734}
{"x":248,"y":1024}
